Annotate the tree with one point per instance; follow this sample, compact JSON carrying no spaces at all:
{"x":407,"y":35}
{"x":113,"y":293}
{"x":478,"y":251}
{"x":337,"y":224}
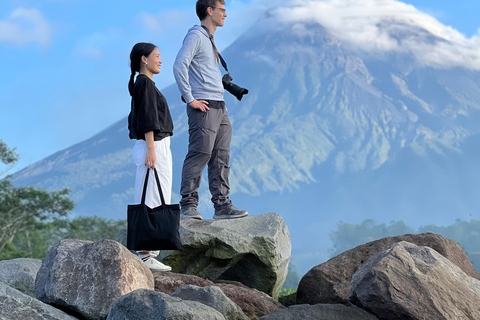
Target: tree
{"x":7,"y":156}
{"x":465,"y":233}
{"x":348,"y":236}
{"x":23,"y":209}
{"x":92,"y":228}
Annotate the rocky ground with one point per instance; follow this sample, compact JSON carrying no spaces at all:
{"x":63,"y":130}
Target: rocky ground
{"x":234,"y":270}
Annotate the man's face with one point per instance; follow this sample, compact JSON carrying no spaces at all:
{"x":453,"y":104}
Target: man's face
{"x":219,"y":14}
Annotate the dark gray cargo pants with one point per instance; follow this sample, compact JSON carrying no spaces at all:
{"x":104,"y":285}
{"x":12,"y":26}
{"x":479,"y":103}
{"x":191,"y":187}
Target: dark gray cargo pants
{"x":209,"y":134}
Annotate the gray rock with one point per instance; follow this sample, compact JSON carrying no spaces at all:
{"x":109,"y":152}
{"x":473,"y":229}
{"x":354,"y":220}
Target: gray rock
{"x":289,"y":300}
{"x":87,"y":278}
{"x":20,"y":274}
{"x":213,"y":297}
{"x":415,"y":282}
{"x":17,"y":305}
{"x":320,"y":312}
{"x":253,"y":303}
{"x":169,"y":282}
{"x":146,"y":304}
{"x":254,"y":251}
{"x":329,"y":282}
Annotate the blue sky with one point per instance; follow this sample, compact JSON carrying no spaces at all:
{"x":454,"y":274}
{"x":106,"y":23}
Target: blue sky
{"x":64,"y":63}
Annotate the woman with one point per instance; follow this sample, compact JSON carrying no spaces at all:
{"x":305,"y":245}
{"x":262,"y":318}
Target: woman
{"x":150,"y":123}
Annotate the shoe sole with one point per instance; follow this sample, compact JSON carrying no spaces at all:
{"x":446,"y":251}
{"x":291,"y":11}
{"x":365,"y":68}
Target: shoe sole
{"x":162,"y":270}
{"x":199,"y":217}
{"x":226,"y":217}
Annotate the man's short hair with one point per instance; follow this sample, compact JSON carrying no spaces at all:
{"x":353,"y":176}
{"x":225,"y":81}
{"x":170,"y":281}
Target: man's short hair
{"x":203,"y":5}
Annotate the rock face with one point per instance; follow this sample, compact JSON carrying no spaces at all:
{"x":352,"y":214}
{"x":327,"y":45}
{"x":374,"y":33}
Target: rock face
{"x":146,"y":304}
{"x":415,"y":282}
{"x":86,"y":278}
{"x":329,"y":282}
{"x":254,"y":303}
{"x":169,"y":282}
{"x":213,"y":297}
{"x":17,"y":305}
{"x":254,"y":251}
{"x":320,"y":312}
{"x":20,"y":274}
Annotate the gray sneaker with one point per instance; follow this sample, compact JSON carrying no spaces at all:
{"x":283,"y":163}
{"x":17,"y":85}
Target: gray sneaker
{"x":229,"y":212}
{"x":190,"y":212}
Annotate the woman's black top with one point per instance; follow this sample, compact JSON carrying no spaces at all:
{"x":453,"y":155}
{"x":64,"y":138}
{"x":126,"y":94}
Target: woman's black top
{"x":149,"y":111}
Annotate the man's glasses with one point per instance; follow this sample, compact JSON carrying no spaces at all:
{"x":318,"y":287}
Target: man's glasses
{"x":221,"y":9}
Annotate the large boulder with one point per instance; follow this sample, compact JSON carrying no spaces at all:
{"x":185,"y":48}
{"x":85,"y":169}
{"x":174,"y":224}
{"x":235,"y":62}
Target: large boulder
{"x":212,"y":297}
{"x":87,"y":278}
{"x":17,"y":305}
{"x":20,"y":274}
{"x":320,"y":312}
{"x":407,"y":281}
{"x":329,"y":282}
{"x":253,"y":250}
{"x":253,"y":303}
{"x":146,"y":304}
{"x":169,"y":282}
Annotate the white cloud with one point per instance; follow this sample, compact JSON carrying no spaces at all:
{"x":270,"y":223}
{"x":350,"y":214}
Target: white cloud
{"x":386,"y":26}
{"x":163,"y":21}
{"x":149,"y":21}
{"x":24,"y":26}
{"x":173,"y":24}
{"x":99,"y":44}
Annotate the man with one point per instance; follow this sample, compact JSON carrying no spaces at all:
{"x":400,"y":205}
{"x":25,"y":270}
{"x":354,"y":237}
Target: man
{"x":199,"y":80}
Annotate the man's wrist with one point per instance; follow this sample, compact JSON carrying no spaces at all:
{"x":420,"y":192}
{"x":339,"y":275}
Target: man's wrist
{"x":189,"y":98}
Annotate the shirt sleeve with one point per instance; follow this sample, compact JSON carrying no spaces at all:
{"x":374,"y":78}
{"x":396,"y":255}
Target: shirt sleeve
{"x":146,"y":109}
{"x":189,"y":49}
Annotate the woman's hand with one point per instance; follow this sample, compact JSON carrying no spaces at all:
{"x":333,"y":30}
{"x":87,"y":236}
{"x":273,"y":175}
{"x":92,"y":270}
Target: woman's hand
{"x":151,"y":158}
{"x":200,"y":105}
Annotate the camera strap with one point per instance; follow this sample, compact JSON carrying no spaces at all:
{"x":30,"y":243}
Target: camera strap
{"x":224,"y":64}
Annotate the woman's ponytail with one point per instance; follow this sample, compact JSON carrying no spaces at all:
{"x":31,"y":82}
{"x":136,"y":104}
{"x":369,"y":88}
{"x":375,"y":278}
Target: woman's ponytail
{"x":131,"y":83}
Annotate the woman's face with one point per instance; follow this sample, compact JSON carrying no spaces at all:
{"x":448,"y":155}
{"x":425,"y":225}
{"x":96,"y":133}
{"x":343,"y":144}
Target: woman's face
{"x":153,"y":61}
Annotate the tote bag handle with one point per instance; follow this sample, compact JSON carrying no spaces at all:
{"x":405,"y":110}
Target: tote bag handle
{"x":158,"y":185}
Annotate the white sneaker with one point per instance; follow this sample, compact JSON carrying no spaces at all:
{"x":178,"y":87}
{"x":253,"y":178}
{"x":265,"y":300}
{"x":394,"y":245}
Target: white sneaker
{"x":154,"y":264}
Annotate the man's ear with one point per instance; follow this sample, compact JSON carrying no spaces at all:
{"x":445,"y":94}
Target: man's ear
{"x":209,"y":11}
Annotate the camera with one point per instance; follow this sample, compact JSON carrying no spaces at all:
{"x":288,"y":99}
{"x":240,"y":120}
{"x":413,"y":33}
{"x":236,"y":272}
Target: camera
{"x":231,"y":87}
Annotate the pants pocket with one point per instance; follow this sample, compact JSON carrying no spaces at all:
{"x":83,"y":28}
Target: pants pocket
{"x":203,"y":128}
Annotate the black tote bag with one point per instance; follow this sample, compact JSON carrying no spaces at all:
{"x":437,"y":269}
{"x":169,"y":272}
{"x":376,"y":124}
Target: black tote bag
{"x":153,"y":228}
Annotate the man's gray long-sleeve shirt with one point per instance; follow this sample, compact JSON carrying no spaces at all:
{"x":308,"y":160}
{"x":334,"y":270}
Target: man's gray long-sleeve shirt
{"x":196,"y":68}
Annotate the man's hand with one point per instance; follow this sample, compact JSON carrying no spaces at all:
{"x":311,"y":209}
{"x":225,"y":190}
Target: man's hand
{"x":201,"y":105}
